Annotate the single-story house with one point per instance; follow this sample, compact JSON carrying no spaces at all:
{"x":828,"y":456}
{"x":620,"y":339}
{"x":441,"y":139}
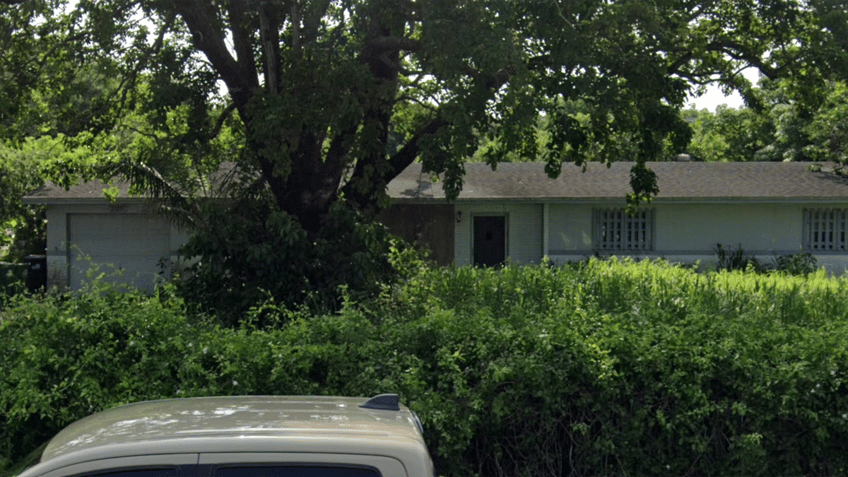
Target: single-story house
{"x":517,"y":214}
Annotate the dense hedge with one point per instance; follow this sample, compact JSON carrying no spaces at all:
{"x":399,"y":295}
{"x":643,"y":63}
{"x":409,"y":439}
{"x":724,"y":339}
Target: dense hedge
{"x":12,"y":279}
{"x":611,"y":368}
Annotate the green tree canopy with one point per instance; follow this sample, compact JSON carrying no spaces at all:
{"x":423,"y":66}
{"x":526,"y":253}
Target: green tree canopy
{"x":326,"y":101}
{"x":23,"y":168}
{"x":788,"y":125}
{"x":731,"y":135}
{"x":337,"y":97}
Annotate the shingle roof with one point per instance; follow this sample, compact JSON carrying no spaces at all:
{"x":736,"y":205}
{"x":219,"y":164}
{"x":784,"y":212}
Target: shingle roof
{"x":763,"y":181}
{"x":84,"y":191}
{"x":676,"y":180}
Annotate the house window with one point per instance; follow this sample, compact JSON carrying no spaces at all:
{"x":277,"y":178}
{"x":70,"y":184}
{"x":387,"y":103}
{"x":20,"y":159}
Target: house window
{"x":824,"y":229}
{"x":615,"y":230}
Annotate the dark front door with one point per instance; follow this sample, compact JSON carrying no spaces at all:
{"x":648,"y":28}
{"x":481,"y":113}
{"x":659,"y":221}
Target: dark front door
{"x":489,"y":241}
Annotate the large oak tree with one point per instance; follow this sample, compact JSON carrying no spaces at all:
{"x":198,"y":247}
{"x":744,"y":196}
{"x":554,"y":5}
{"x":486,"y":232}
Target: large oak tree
{"x":331,"y":99}
{"x":336,"y":97}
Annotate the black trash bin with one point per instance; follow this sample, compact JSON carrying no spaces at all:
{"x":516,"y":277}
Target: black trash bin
{"x":37,"y":272}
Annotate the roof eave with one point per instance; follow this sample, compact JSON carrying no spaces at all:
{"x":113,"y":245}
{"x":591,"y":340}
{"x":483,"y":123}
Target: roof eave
{"x":622,"y":199}
{"x":30,"y":200}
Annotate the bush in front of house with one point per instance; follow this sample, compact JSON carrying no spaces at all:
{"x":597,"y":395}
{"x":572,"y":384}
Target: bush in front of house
{"x":796,"y":264}
{"x":736,"y":259}
{"x":597,"y":368}
{"x":63,"y":357}
{"x":628,"y":368}
{"x":244,"y":254}
{"x":12,"y":279}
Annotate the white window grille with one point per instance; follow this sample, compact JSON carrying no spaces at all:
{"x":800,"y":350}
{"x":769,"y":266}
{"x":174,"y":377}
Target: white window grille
{"x":825,"y":229}
{"x":614,"y":229}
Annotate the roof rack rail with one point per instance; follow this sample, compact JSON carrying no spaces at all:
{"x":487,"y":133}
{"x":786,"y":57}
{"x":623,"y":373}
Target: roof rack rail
{"x":383,"y":402}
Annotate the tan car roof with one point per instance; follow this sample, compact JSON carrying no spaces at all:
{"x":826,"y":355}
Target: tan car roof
{"x":216,"y":424}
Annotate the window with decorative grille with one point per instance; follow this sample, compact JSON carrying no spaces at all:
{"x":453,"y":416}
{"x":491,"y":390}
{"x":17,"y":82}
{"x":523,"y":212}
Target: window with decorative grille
{"x":825,"y":229}
{"x":613,"y":229}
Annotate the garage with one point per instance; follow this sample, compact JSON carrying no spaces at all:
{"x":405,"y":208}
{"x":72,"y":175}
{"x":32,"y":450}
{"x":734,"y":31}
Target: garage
{"x":130,"y":249}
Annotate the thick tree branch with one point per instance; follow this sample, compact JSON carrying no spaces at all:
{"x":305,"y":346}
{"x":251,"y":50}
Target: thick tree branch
{"x":241,"y":78}
{"x":337,"y":153}
{"x":295,"y":29}
{"x":407,"y":154}
{"x":503,"y":76}
{"x":269,"y":34}
{"x":334,"y":166}
{"x":219,"y":123}
{"x":734,"y":50}
{"x":674,"y":68}
{"x":410,"y":151}
{"x":240,"y":31}
{"x":738,"y":51}
{"x":312,"y":19}
{"x":385,"y":44}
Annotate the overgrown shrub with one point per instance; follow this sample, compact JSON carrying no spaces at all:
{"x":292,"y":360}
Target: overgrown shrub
{"x":12,"y":279}
{"x":796,"y":264}
{"x":600,"y":368}
{"x":241,"y":257}
{"x":731,"y":259}
{"x":62,"y":357}
{"x":641,"y":369}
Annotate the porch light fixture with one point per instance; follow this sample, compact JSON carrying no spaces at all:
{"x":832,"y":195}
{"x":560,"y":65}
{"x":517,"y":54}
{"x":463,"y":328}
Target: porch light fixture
{"x":459,"y":217}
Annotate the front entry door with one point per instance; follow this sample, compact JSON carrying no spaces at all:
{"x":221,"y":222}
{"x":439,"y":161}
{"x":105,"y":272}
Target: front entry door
{"x":489,"y":241}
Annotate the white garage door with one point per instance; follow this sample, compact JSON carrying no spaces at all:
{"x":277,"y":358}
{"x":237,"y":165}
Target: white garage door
{"x":128,"y":248}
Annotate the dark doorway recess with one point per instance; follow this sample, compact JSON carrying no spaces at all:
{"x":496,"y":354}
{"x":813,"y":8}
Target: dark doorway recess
{"x":489,"y":241}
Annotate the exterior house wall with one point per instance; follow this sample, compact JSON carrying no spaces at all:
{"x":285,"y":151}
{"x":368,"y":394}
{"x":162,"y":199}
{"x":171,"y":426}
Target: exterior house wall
{"x":523,"y":230}
{"x":759,"y":228}
{"x":57,"y":250}
{"x":757,"y":206}
{"x":689,"y":233}
{"x":429,"y":225}
{"x":683,"y":228}
{"x":570,"y":229}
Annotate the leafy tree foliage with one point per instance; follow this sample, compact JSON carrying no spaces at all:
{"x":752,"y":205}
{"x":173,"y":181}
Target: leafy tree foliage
{"x":336,"y":97}
{"x":785,"y":127}
{"x":325,"y":101}
{"x":828,"y":131}
{"x":23,"y":168}
{"x":731,"y":135}
{"x":22,"y":229}
{"x":49,"y":103}
{"x":248,"y":257}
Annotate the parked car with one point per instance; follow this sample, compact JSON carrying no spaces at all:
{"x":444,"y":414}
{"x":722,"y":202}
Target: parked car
{"x":247,"y":436}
